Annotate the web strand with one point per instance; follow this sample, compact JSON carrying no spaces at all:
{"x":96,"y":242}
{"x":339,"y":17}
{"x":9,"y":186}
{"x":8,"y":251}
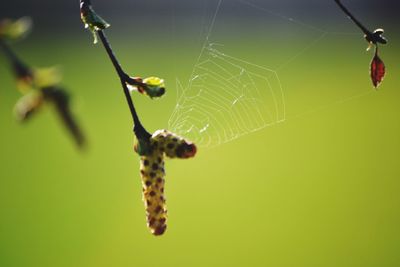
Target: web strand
{"x":227,"y":97}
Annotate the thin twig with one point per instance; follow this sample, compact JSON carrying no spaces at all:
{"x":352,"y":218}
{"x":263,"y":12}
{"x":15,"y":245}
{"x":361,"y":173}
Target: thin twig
{"x":141,"y":133}
{"x":374,"y":37}
{"x":138,"y":129}
{"x":351,"y":16}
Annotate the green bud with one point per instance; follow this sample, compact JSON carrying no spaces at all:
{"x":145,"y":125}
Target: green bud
{"x":152,"y":86}
{"x":155,"y":87}
{"x":92,"y":21}
{"x":39,"y":78}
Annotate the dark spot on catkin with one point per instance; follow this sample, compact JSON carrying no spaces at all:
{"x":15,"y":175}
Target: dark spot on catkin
{"x":170,"y":145}
{"x":146,"y":162}
{"x":160,"y":230}
{"x":152,"y":193}
{"x":152,"y":174}
{"x":179,"y":151}
{"x":158,"y":209}
{"x":148,"y":183}
{"x":159,"y":180}
{"x":154,"y":166}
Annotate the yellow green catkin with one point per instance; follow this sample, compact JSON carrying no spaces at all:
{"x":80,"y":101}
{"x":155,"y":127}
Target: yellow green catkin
{"x":162,"y":143}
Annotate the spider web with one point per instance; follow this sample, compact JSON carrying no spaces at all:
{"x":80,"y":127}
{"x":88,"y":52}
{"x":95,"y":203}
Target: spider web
{"x":228,"y":96}
{"x":224,"y":100}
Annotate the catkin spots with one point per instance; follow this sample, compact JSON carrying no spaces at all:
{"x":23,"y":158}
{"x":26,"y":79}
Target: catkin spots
{"x":153,"y":197}
{"x":162,"y":143}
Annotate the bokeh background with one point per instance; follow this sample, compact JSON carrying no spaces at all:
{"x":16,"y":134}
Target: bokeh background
{"x":320,"y":189}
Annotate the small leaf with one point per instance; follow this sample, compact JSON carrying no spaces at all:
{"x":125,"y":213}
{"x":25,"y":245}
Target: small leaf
{"x":25,"y":83}
{"x":377,"y":70}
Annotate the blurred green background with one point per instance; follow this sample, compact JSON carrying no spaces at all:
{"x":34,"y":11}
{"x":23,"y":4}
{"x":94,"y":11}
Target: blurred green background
{"x":320,"y":189}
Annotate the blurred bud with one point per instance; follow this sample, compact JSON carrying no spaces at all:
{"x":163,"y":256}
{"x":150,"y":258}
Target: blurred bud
{"x":152,"y":86}
{"x":25,"y":83}
{"x":28,"y":105}
{"x":91,"y":20}
{"x":38,"y":78}
{"x":47,"y":77}
{"x":15,"y":29}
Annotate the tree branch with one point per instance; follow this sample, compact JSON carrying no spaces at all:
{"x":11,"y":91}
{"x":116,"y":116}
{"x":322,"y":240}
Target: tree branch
{"x":20,"y":68}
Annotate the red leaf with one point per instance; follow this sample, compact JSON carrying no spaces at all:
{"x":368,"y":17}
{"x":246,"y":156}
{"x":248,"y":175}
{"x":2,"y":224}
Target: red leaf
{"x":377,"y":70}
